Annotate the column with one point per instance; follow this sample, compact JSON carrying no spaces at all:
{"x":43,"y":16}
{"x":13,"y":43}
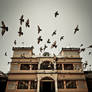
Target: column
{"x":38,"y":85}
{"x":56,"y":89}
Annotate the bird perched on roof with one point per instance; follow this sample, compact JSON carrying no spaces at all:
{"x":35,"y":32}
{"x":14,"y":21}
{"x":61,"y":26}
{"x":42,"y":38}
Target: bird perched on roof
{"x":20,"y":31}
{"x":82,"y":50}
{"x":39,"y":29}
{"x":81,"y":45}
{"x":56,"y":14}
{"x":15,"y":42}
{"x":54,"y":33}
{"x":90,"y":46}
{"x":62,"y":37}
{"x":55,"y":58}
{"x":4,"y":28}
{"x":48,"y":41}
{"x":45,"y":47}
{"x":39,"y":39}
{"x":54,"y":45}
{"x":76,"y":29}
{"x":21,"y":19}
{"x":41,"y":49}
{"x":27,"y":23}
{"x":5,"y":53}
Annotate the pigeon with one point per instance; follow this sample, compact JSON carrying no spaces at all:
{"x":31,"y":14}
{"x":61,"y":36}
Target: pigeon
{"x":45,"y":47}
{"x":5,"y":53}
{"x":41,"y":49}
{"x":48,"y":41}
{"x":39,"y":39}
{"x":81,"y":45}
{"x":32,"y":47}
{"x":54,"y":33}
{"x":55,"y":58}
{"x":56,"y":14}
{"x":15,"y":42}
{"x":21,"y":19}
{"x":39,"y":29}
{"x":27,"y":23}
{"x":82,"y":50}
{"x":62,"y":37}
{"x":90,"y":46}
{"x":54,"y":45}
{"x":4,"y":28}
{"x":20,"y":31}
{"x":76,"y":29}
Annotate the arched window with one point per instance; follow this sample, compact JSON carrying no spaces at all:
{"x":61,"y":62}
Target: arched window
{"x":47,"y":65}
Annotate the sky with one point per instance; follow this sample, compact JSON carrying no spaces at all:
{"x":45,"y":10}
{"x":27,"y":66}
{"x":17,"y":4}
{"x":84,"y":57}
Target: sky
{"x":41,"y":12}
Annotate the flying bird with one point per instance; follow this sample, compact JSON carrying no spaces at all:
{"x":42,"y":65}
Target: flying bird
{"x":15,"y":42}
{"x":54,"y":33}
{"x":4,"y":28}
{"x":39,"y":29}
{"x":41,"y":49}
{"x":21,"y":19}
{"x":82,"y":50}
{"x":39,"y":39}
{"x":20,"y":31}
{"x":22,"y":42}
{"x":27,"y":23}
{"x":81,"y":45}
{"x":45,"y":46}
{"x":62,"y":37}
{"x":76,"y":29}
{"x":48,"y":41}
{"x":56,"y":14}
{"x":5,"y":53}
{"x":90,"y":46}
{"x":89,"y":53}
{"x":54,"y":45}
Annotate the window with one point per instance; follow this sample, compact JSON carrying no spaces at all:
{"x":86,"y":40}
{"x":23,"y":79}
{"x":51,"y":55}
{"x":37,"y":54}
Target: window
{"x":14,"y":67}
{"x":34,"y":66}
{"x":47,"y":65}
{"x":71,"y":84}
{"x":81,"y":84}
{"x":33,"y":84}
{"x":68,"y":66}
{"x":25,"y":67}
{"x":60,"y":84}
{"x":77,"y":67}
{"x":59,"y":66}
{"x":22,"y":84}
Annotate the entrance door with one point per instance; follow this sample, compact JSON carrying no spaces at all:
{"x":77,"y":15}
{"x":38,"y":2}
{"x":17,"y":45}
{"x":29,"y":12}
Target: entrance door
{"x":47,"y":86}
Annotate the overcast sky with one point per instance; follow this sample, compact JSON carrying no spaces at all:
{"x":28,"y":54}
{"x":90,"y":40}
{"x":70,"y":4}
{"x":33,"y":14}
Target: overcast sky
{"x":41,"y":12}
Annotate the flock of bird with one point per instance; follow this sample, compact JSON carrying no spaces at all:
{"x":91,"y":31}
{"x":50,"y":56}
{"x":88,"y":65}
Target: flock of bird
{"x":39,"y":39}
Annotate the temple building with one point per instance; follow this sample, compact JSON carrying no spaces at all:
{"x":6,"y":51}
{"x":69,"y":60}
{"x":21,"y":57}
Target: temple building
{"x":46,"y":73}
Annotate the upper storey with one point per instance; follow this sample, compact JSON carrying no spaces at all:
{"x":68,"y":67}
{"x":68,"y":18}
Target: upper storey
{"x":22,"y":51}
{"x":70,"y":52}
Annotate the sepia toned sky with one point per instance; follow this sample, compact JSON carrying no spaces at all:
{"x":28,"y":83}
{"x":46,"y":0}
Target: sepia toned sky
{"x":41,"y":12}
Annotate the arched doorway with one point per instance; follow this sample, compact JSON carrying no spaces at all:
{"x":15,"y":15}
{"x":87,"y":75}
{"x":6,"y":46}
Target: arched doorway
{"x":47,"y":84}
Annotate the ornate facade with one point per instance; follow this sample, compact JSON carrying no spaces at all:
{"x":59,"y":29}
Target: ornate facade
{"x":46,"y":73}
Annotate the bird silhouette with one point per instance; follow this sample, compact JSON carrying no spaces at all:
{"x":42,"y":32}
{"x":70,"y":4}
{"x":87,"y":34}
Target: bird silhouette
{"x":54,"y":45}
{"x":62,"y":37}
{"x":4,"y":28}
{"x":20,"y":31}
{"x":76,"y":29}
{"x":27,"y":23}
{"x":81,"y":45}
{"x":55,"y":58}
{"x":5,"y":53}
{"x":21,"y":19}
{"x":48,"y":41}
{"x":56,"y":14}
{"x":90,"y":46}
{"x":41,"y":49}
{"x":82,"y":50}
{"x":45,"y":47}
{"x":54,"y":33}
{"x":15,"y":42}
{"x":39,"y":29}
{"x":39,"y":39}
